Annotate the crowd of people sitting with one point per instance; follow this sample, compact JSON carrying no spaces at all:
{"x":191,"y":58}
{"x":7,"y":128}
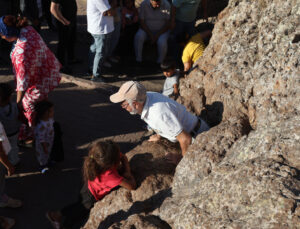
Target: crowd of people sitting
{"x":117,"y":28}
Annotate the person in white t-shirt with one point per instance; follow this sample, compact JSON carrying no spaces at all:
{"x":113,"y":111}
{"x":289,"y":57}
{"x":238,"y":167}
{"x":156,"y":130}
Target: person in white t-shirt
{"x":100,"y":24}
{"x":165,"y":116}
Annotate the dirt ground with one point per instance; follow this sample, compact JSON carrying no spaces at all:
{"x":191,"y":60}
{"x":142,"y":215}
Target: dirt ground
{"x":85,"y":116}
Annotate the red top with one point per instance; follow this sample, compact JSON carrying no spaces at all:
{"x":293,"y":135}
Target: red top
{"x":104,"y":183}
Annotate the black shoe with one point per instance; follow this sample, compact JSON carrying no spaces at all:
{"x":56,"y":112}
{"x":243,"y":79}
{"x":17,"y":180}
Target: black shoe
{"x":99,"y":79}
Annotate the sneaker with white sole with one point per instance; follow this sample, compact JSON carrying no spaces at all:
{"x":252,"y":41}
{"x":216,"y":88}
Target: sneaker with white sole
{"x":11,"y":203}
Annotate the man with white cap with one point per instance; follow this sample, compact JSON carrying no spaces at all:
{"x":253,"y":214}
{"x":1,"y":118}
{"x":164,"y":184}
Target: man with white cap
{"x":165,"y":116}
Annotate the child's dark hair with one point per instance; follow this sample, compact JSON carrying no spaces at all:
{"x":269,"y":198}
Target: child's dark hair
{"x":167,"y":65}
{"x":41,"y":108}
{"x":102,"y":156}
{"x":133,"y":1}
{"x":5,"y":92}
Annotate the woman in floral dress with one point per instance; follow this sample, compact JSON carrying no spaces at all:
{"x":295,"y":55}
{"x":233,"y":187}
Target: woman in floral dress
{"x":35,"y":67}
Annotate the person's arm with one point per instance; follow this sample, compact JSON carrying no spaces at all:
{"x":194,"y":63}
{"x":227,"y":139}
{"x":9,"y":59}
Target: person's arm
{"x":184,"y":139}
{"x":4,"y":160}
{"x":164,"y":29}
{"x":146,"y":29}
{"x":175,"y":89}
{"x":111,"y":11}
{"x":128,"y":182}
{"x":56,"y":12}
{"x":20,"y":95}
{"x":187,"y":66}
{"x":204,"y":9}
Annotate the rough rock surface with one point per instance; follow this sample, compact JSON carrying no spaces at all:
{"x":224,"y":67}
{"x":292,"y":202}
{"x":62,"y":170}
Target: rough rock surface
{"x":245,"y":171}
{"x":122,"y":208}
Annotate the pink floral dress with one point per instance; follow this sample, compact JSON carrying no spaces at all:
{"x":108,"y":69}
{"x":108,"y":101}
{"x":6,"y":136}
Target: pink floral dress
{"x":36,"y":70}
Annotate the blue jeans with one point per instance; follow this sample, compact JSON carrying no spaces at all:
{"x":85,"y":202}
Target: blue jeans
{"x":98,"y":52}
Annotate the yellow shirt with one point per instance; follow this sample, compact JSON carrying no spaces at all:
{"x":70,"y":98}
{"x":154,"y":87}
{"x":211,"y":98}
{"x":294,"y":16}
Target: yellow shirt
{"x":193,"y":49}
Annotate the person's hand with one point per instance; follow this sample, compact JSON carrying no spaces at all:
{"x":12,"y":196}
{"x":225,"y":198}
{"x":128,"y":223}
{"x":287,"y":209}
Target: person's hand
{"x":127,"y":174}
{"x":10,"y":170}
{"x":66,"y":22}
{"x":154,"y":138}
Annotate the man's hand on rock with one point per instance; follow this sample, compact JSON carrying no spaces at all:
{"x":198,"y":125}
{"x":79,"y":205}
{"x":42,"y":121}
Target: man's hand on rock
{"x":154,"y":138}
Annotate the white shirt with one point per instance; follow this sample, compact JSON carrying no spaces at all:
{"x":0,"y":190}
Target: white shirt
{"x":4,"y":140}
{"x":97,"y":23}
{"x":167,"y":117}
{"x":169,"y":84}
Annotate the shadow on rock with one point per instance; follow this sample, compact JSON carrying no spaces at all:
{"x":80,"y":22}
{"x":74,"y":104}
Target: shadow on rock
{"x":138,"y":207}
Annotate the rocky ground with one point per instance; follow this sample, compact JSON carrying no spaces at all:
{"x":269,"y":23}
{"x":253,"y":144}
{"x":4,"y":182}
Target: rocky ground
{"x":243,"y":173}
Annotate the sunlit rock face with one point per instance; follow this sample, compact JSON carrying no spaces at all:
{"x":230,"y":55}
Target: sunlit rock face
{"x":243,"y":172}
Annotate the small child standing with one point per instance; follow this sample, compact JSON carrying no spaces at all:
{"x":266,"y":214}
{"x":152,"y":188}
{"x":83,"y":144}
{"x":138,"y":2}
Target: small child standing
{"x":44,"y":132}
{"x":172,"y":79}
{"x":101,"y":174}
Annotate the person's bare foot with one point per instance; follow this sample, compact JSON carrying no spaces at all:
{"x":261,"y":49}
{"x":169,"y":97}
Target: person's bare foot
{"x":173,"y":158}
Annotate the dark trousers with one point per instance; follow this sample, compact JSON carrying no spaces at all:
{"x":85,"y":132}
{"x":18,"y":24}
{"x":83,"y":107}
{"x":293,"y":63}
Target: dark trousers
{"x":125,"y":46}
{"x":77,"y":212}
{"x":66,"y":41}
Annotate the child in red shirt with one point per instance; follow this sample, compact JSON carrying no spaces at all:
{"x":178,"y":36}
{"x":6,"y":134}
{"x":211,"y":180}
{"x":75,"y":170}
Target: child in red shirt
{"x":100,"y":173}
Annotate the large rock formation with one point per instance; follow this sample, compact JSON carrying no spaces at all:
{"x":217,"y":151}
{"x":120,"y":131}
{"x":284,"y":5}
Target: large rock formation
{"x":244,"y":172}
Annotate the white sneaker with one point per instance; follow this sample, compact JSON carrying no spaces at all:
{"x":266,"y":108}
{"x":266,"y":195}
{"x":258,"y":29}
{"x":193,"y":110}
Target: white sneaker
{"x":107,"y":64}
{"x":11,"y":203}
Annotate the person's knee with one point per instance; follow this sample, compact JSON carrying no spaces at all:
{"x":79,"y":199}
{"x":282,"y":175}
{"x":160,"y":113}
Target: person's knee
{"x":162,"y":42}
{"x":140,"y":37}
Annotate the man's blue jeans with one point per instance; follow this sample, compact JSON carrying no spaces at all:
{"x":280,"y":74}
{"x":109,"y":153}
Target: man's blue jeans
{"x":98,"y":52}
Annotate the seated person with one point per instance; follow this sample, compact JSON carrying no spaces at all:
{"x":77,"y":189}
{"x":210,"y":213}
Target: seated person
{"x":172,"y":79}
{"x":194,"y":49}
{"x":154,"y":18}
